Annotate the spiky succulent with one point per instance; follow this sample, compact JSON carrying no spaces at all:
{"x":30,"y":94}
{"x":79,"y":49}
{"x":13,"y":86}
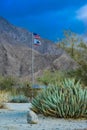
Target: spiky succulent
{"x":66,"y":100}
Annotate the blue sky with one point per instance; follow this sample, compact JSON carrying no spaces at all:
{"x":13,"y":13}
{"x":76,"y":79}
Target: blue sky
{"x":47,"y":17}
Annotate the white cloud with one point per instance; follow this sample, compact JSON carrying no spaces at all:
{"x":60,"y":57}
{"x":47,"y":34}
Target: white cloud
{"x":81,"y":14}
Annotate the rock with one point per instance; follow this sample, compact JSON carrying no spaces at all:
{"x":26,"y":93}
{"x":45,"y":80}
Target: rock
{"x":32,"y":118}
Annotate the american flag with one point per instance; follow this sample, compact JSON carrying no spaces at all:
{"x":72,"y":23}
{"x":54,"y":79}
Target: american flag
{"x":36,"y":36}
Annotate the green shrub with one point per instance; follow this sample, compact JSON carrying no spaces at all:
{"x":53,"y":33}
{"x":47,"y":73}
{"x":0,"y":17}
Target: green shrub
{"x":66,"y":100}
{"x":16,"y":86}
{"x":51,"y":77}
{"x":80,"y":73}
{"x":6,"y":83}
{"x":19,"y":99}
{"x":26,"y":88}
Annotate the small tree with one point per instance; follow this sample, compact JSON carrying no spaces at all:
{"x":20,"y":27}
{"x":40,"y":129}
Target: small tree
{"x":75,"y":45}
{"x":69,"y":42}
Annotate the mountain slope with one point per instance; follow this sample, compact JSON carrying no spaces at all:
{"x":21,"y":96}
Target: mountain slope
{"x":16,"y":60}
{"x":15,"y":35}
{"x":16,"y":52}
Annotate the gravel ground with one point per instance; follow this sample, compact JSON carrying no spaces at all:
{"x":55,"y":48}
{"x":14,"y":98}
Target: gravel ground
{"x":15,"y":118}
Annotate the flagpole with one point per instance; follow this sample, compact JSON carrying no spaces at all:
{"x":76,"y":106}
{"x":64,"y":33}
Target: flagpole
{"x":32,"y":64}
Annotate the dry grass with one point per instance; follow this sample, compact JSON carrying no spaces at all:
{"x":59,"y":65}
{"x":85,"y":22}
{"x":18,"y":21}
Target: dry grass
{"x":4,"y":97}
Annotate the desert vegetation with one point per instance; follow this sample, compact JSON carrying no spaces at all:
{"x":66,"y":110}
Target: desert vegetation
{"x":19,"y":99}
{"x":66,"y":94}
{"x":4,"y":97}
{"x":66,"y":99}
{"x":76,"y":47}
{"x":50,"y":77}
{"x":15,"y":90}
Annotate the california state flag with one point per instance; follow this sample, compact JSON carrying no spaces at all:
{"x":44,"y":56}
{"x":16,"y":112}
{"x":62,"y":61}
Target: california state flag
{"x":37,"y":42}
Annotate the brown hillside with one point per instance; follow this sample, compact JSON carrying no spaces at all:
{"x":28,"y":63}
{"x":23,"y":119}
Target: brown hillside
{"x":16,"y":53}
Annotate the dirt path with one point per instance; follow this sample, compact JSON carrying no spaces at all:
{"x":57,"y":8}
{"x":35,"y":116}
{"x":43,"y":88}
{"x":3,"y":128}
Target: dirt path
{"x":17,"y":120}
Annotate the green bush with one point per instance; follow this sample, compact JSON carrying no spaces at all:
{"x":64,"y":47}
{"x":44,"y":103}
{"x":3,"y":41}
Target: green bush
{"x":6,"y":83}
{"x":19,"y":99}
{"x":16,"y":86}
{"x":80,"y":73}
{"x":66,"y":100}
{"x":51,"y":77}
{"x":26,"y":88}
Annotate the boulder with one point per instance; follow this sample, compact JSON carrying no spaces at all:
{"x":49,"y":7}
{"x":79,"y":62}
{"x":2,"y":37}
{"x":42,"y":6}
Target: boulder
{"x":32,"y":118}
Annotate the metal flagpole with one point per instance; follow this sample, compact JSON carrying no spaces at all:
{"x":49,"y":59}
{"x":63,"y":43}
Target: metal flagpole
{"x":32,"y":64}
{"x":37,"y":41}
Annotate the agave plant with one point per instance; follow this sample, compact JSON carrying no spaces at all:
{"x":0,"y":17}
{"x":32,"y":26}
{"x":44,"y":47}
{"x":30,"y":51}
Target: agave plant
{"x":66,"y":100}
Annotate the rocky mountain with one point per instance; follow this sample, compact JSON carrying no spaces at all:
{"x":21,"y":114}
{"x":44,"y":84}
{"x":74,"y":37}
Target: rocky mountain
{"x":16,"y":52}
{"x":15,"y":35}
{"x":16,"y":60}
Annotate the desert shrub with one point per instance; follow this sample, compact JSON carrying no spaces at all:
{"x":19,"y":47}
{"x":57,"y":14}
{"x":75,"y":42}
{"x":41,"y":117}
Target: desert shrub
{"x":1,"y":105}
{"x":26,"y":88}
{"x":4,"y":97}
{"x":51,"y":77}
{"x":6,"y":83}
{"x":28,"y":91}
{"x":76,"y":47}
{"x":31,"y":92}
{"x":80,"y":73}
{"x":17,"y":86}
{"x":66,"y":100}
{"x":19,"y":99}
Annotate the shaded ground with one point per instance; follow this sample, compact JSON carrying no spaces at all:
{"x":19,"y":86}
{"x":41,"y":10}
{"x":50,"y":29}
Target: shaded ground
{"x":16,"y":119}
